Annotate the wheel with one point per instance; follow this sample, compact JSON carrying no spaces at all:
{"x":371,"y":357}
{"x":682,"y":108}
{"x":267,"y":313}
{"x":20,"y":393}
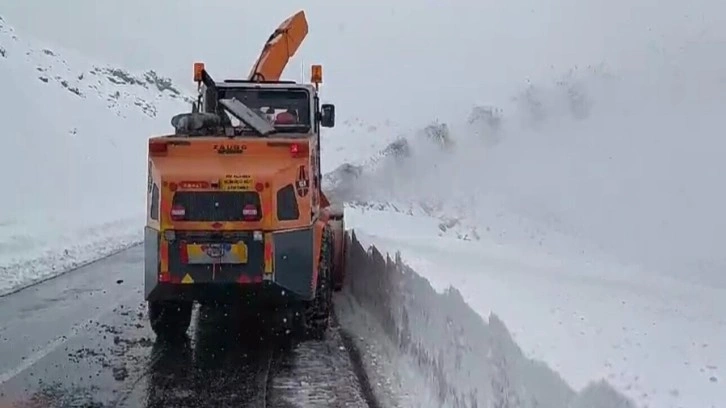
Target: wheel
{"x":317,"y":313}
{"x":170,"y":319}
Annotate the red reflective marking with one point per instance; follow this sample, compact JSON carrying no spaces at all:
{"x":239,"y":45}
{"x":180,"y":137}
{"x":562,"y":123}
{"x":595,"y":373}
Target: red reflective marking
{"x":177,"y":212}
{"x":249,"y":212}
{"x":183,"y":253}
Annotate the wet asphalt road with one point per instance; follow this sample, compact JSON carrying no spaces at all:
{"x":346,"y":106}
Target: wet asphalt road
{"x":82,"y":340}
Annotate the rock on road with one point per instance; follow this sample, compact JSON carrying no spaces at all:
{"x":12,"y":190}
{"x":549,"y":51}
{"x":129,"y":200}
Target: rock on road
{"x":82,"y":339}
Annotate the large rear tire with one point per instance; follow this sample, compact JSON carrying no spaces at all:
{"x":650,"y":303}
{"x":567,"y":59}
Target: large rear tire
{"x":170,"y":319}
{"x":317,"y":312}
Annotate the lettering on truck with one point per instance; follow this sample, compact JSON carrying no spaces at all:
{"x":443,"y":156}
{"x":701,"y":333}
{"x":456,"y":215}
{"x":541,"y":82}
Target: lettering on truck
{"x":237,"y":182}
{"x":230,"y":148}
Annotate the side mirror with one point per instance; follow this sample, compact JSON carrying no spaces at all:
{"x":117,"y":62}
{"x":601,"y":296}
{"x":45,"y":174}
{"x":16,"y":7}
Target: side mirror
{"x":328,"y":115}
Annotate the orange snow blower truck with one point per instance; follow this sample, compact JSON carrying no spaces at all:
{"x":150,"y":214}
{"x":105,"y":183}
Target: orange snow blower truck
{"x":235,"y":207}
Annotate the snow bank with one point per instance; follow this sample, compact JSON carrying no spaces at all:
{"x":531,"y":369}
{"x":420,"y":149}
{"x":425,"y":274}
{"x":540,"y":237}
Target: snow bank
{"x":650,"y":338}
{"x":436,"y":351}
{"x":74,"y":156}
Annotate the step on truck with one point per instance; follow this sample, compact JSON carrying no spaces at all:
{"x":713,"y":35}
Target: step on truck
{"x":236,"y":213}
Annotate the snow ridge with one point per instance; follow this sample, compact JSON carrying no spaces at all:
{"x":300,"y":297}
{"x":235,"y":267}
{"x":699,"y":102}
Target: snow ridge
{"x":418,"y":339}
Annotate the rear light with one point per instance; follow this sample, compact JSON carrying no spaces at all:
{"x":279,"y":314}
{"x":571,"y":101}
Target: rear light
{"x":249,"y":212}
{"x":173,"y":186}
{"x":177,"y":213}
{"x":298,"y":150}
{"x":157,"y":148}
{"x":259,"y":187}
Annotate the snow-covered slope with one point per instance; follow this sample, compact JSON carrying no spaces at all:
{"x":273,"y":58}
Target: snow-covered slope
{"x":73,"y":155}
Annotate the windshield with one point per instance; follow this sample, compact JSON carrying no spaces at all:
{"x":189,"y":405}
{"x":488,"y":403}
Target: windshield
{"x":287,"y":109}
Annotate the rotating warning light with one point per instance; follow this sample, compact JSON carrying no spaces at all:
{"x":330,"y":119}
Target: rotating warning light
{"x":316,"y":75}
{"x":198,"y":68}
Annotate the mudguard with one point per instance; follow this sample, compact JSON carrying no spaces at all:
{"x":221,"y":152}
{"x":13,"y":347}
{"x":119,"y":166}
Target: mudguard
{"x":152,"y":244}
{"x":294,"y":262}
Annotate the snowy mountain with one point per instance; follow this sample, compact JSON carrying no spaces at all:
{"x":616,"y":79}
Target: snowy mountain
{"x":74,"y":154}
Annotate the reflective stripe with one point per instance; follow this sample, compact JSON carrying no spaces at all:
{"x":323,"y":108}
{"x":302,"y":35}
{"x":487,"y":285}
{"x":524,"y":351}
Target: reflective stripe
{"x":164,"y":261}
{"x":268,"y":253}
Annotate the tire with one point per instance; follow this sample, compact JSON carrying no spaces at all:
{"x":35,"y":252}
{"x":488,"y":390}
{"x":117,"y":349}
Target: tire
{"x":317,"y":313}
{"x":170,"y":320}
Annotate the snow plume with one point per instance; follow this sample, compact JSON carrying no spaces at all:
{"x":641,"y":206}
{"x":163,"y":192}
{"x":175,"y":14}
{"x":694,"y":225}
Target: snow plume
{"x":434,"y":350}
{"x":619,"y":161}
{"x":74,"y":156}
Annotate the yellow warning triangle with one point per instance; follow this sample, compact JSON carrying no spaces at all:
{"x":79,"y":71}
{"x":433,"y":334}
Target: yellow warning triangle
{"x":187,"y":279}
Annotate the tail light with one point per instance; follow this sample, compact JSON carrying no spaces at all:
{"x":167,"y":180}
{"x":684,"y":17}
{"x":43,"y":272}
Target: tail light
{"x":249,"y":212}
{"x":177,"y":213}
{"x":157,"y":148}
{"x":298,"y":150}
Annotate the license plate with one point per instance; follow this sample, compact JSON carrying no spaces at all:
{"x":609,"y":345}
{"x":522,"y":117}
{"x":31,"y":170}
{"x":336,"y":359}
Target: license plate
{"x":215,"y":250}
{"x":227,"y":253}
